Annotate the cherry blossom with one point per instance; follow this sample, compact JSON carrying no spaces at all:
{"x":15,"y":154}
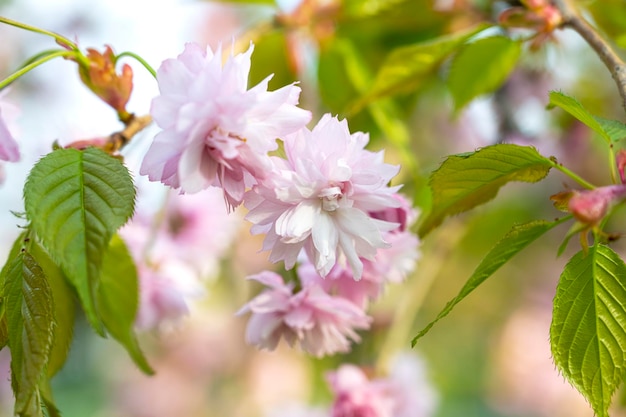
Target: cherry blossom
{"x":162,"y":297}
{"x":8,"y":146}
{"x":322,"y":324}
{"x":404,"y":393}
{"x":320,"y":197}
{"x":216,"y":131}
{"x":390,"y":265}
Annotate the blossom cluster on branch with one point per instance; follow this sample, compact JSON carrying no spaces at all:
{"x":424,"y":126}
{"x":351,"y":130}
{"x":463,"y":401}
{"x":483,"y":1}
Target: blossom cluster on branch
{"x":327,"y":203}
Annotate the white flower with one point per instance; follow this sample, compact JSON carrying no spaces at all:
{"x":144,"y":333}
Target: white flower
{"x":216,"y":131}
{"x":320,"y":199}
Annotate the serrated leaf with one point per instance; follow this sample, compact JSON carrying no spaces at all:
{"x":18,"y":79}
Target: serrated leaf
{"x":118,"y":299}
{"x":465,"y":181}
{"x":510,"y":245}
{"x":615,"y":129}
{"x":46,"y":398}
{"x":481,"y":67}
{"x":76,"y":200}
{"x":64,"y":310}
{"x":407,"y":67}
{"x":29,"y":311}
{"x":573,"y":107}
{"x":588,"y":330}
{"x":16,"y":248}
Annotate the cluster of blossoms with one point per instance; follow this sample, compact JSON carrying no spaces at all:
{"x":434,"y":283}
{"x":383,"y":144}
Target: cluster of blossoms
{"x":326,"y":206}
{"x":404,"y":392}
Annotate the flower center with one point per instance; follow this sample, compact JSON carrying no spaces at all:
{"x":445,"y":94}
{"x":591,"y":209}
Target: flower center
{"x":333,"y":195}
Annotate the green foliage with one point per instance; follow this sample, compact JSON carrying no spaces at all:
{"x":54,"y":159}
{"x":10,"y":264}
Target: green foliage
{"x":13,"y":253}
{"x":406,"y":68}
{"x":29,"y":310}
{"x":118,"y":299}
{"x":481,"y":67}
{"x":75,"y":201}
{"x":64,"y":309}
{"x":465,"y":181}
{"x":615,"y":129}
{"x":511,"y":244}
{"x":588,"y":330}
{"x":573,"y":107}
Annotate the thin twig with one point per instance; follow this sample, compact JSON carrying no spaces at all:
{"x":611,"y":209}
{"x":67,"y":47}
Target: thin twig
{"x":611,"y":60}
{"x":118,"y":140}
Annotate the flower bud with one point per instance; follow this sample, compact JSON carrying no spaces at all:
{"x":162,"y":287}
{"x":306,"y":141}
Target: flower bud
{"x":101,"y":78}
{"x":590,"y":206}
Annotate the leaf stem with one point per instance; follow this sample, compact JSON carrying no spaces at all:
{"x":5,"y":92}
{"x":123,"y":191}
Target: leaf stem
{"x":572,"y":175}
{"x":59,"y":38}
{"x":140,"y":60}
{"x":611,"y":60}
{"x":35,"y":64}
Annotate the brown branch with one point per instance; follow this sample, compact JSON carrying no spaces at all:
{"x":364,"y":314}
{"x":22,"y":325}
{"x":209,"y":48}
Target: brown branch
{"x":118,"y":140}
{"x":611,"y":60}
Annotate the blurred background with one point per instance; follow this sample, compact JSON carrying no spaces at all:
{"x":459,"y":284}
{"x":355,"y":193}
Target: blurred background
{"x":489,"y":358}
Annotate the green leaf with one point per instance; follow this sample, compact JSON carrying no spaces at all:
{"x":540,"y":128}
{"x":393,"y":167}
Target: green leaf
{"x":76,"y":200}
{"x":573,"y":107}
{"x":46,"y":398}
{"x":511,"y":244}
{"x":64,"y":310}
{"x":13,"y":253}
{"x":615,"y":129}
{"x":481,"y":67}
{"x":406,"y":68}
{"x":465,"y":181}
{"x":118,"y":299}
{"x":29,"y":310}
{"x":588,"y":331}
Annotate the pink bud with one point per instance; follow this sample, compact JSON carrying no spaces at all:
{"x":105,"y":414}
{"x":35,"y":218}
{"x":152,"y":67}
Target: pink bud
{"x":590,"y":206}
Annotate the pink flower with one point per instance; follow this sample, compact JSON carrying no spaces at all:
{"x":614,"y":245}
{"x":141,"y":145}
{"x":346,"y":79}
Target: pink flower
{"x":391,"y":264}
{"x":404,"y":393}
{"x":323,"y":325}
{"x":162,"y":298}
{"x":319,"y":199}
{"x":8,"y":146}
{"x":215,"y":130}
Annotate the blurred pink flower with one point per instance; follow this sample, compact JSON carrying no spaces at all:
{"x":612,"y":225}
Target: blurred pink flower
{"x":175,"y":248}
{"x":322,"y":324}
{"x":8,"y":146}
{"x":162,"y":297}
{"x":320,"y":198}
{"x":215,"y":130}
{"x":404,"y":393}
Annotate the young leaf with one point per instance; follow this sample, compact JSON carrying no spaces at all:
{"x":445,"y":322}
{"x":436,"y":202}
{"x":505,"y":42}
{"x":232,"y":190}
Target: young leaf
{"x":64,"y":310}
{"x":588,"y":331}
{"x":407,"y":67}
{"x":13,"y":253}
{"x":76,"y":200}
{"x":482,"y":66}
{"x":29,"y":311}
{"x":512,"y":243}
{"x":118,"y":299}
{"x":573,"y":107}
{"x":465,"y":181}
{"x":615,"y":129}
